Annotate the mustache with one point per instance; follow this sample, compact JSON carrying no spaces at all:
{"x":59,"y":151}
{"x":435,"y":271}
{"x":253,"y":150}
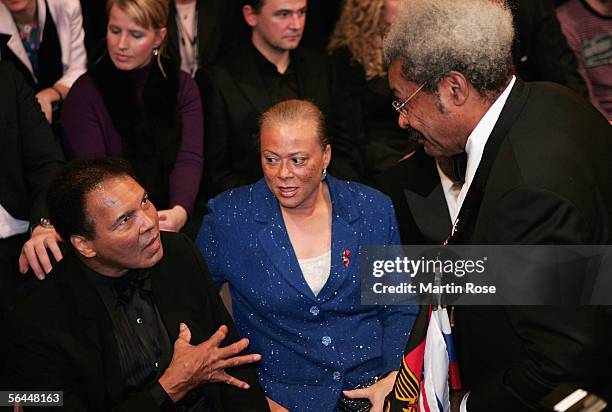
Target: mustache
{"x":414,"y":135}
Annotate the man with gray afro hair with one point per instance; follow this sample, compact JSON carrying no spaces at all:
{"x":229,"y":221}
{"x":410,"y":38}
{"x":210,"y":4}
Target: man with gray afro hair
{"x":473,"y":37}
{"x":517,"y":164}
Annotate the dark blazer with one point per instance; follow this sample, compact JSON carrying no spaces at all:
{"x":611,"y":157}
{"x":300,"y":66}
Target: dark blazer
{"x":234,"y":97}
{"x":214,"y":30}
{"x":544,"y":178}
{"x":30,"y":155}
{"x":61,"y":335}
{"x":540,"y":51}
{"x":418,"y":198}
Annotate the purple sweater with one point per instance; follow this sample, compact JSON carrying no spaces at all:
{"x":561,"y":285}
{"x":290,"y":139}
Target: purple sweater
{"x":89,"y":131}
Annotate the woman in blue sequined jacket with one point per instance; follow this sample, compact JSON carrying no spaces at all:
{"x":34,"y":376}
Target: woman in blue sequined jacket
{"x":289,"y":248}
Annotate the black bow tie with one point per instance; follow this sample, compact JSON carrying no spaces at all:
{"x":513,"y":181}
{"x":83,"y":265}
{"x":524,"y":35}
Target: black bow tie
{"x":126,"y":285}
{"x":459,"y":163}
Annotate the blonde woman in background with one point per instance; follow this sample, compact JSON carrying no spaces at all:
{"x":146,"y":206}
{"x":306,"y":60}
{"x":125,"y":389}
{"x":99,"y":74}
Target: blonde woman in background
{"x":135,"y":103}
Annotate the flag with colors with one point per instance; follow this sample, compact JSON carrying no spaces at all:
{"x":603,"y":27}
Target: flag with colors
{"x":429,"y":366}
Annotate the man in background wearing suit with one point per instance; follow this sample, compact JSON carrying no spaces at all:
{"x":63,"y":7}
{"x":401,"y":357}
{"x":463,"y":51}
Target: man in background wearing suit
{"x":127,"y":319}
{"x":265,"y":70}
{"x":537,"y":172}
{"x":29,"y":158}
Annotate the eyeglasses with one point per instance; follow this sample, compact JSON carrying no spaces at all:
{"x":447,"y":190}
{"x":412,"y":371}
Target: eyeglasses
{"x":401,"y":107}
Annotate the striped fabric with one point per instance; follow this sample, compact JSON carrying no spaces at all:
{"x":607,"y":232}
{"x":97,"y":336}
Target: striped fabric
{"x":429,"y":367}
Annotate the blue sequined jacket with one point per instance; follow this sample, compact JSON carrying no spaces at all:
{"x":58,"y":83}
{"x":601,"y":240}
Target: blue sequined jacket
{"x":312,"y":347}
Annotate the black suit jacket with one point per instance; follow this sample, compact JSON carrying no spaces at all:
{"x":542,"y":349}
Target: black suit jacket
{"x":418,"y":199}
{"x":215,"y":33}
{"x":234,"y":97}
{"x":61,"y":335}
{"x":544,"y":178}
{"x":30,"y":156}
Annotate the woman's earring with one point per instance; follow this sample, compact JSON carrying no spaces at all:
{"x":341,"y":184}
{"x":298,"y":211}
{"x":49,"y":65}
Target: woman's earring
{"x":324,"y":174}
{"x":155,"y":51}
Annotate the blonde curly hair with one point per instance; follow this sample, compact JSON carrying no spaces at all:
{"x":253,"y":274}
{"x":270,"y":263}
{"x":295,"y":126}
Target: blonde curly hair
{"x":360,"y":29}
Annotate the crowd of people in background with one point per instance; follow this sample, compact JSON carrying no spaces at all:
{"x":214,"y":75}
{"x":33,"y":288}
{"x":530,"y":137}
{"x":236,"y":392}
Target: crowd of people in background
{"x":265,"y":131}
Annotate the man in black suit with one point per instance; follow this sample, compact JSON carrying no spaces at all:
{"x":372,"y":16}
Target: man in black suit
{"x":539,"y":53}
{"x":537,"y":172}
{"x":244,"y":83}
{"x":101,"y":327}
{"x":29,"y":158}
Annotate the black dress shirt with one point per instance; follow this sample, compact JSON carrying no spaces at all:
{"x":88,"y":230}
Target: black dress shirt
{"x":280,"y":86}
{"x":143,"y":346}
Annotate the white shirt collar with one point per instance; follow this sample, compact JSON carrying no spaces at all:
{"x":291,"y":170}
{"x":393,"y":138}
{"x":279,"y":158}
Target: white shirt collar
{"x":475,"y":147}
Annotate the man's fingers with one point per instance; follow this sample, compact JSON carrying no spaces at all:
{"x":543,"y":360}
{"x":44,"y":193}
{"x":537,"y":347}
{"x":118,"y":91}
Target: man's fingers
{"x":184,"y":333}
{"x":43,"y":256}
{"x":238,"y":360}
{"x":23,"y":263}
{"x":32,"y":261}
{"x":230,"y":380}
{"x":233,"y":349}
{"x":357,"y":393}
{"x":54,"y":248}
{"x":217,"y":337}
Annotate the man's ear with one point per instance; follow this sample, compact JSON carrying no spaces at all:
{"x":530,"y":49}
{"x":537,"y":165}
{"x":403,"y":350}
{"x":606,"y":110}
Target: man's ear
{"x":455,"y":88}
{"x":250,"y":15}
{"x":83,"y":246}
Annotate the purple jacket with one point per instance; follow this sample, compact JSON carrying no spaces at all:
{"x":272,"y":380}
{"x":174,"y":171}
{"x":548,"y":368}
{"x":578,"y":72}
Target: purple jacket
{"x":89,"y":131}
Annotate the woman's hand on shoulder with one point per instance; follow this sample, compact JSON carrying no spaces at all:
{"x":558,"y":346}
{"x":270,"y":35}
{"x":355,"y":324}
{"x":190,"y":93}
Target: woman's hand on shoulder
{"x":45,"y":99}
{"x":172,"y":220}
{"x":48,"y":96}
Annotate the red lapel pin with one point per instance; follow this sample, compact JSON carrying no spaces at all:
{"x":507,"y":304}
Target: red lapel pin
{"x":345,"y":258}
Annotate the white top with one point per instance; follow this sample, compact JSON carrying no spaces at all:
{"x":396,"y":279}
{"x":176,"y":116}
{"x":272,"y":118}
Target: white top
{"x":188,"y":36}
{"x":474,"y":147}
{"x":451,"y":192}
{"x":9,"y":226}
{"x":316,"y":271}
{"x":69,"y":24}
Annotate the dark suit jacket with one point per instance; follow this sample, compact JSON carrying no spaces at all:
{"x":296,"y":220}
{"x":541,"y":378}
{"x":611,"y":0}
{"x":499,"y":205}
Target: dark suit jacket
{"x":214,"y":30}
{"x":61,"y":335}
{"x":418,"y":198}
{"x":544,"y":178}
{"x":234,"y":97}
{"x":30,"y":155}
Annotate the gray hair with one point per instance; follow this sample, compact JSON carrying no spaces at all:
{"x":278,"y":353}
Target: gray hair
{"x":434,"y":37}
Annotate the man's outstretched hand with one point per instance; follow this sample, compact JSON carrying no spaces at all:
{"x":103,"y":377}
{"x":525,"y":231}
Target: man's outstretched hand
{"x":192,"y":366}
